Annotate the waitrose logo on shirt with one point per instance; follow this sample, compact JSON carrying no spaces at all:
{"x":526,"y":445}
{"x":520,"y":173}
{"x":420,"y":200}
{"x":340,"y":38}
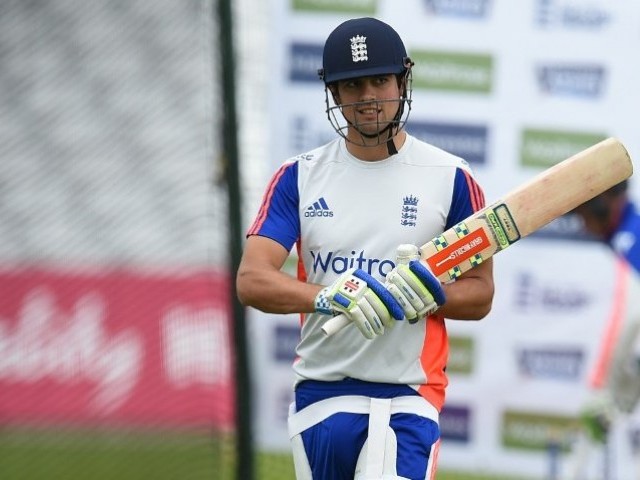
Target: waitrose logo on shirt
{"x":453,"y":71}
{"x":351,"y":6}
{"x":339,"y":263}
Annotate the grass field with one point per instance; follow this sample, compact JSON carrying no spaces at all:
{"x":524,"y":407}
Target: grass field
{"x":125,"y":455}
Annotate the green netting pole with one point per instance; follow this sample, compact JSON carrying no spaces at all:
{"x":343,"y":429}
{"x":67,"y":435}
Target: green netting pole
{"x":244,"y":439}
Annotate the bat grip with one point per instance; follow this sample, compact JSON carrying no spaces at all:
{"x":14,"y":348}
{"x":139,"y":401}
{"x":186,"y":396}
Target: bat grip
{"x":335,"y":324}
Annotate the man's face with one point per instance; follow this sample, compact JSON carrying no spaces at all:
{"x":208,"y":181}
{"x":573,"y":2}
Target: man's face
{"x":593,"y":224}
{"x":602,"y":215}
{"x":369,"y":103}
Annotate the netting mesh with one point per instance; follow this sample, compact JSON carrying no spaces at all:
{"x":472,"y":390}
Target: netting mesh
{"x":104,"y":131}
{"x":114,"y":331}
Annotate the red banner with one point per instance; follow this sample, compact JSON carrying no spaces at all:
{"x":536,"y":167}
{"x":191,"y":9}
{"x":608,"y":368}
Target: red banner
{"x":119,"y":347}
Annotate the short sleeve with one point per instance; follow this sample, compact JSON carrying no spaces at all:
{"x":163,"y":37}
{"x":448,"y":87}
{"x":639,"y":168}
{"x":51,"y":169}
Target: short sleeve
{"x":467,"y":198}
{"x":278,"y":217}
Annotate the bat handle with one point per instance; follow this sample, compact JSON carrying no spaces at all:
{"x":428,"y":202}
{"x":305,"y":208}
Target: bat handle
{"x":335,"y":324}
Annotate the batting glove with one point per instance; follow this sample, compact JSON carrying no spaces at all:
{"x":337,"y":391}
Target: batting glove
{"x":363,"y":300}
{"x":418,"y":291}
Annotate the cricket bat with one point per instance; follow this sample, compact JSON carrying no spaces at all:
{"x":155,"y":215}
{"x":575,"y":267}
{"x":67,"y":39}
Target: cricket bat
{"x":532,"y":205}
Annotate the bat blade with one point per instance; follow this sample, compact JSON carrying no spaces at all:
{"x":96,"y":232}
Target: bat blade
{"x":547,"y":196}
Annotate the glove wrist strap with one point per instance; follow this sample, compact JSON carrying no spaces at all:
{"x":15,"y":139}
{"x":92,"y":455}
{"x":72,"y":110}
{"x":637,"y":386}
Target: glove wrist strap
{"x":322,"y":304}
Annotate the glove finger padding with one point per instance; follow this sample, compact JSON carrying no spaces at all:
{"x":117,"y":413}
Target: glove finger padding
{"x":429,"y":280}
{"x":416,"y":289}
{"x":378,"y":311}
{"x":363,"y":299}
{"x":403,"y":285}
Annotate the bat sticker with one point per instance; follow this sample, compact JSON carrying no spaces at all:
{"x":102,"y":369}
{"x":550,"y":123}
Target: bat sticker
{"x":508,"y":224}
{"x":458,"y":251}
{"x":502,"y":225}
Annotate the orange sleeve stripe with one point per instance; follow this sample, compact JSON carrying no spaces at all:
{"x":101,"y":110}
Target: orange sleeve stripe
{"x":266,"y":200}
{"x":477,"y":195}
{"x":614,"y":324}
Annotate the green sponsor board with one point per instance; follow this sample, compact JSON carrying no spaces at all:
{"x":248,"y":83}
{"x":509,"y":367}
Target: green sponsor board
{"x":348,"y":6}
{"x":452,"y":71}
{"x":544,"y":148}
{"x":461,"y":354}
{"x":533,"y":431}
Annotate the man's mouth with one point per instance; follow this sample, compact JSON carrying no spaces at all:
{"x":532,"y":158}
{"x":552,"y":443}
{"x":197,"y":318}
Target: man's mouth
{"x":369,"y":112}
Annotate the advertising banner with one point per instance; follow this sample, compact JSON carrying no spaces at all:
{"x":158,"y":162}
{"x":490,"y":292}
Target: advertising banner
{"x":512,"y":87}
{"x":119,"y":347}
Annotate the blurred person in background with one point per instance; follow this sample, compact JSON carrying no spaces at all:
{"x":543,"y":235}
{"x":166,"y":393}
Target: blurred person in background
{"x":613,"y":218}
{"x":367,"y":400}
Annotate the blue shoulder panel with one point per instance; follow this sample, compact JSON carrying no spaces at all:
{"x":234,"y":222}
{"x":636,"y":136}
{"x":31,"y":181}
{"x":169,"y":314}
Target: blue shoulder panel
{"x":466,"y":195}
{"x":278,"y":217}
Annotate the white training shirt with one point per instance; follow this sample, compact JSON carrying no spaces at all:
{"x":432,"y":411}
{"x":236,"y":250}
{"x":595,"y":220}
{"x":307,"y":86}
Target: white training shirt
{"x":341,"y":213}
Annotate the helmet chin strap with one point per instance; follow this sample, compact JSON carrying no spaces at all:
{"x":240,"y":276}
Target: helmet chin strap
{"x":391,"y":145}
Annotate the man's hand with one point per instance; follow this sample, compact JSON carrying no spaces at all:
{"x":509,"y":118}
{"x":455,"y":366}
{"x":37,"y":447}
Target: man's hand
{"x":413,"y":285}
{"x":364,"y":301}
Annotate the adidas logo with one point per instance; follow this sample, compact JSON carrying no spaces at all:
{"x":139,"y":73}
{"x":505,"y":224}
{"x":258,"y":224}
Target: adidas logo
{"x":319,"y":208}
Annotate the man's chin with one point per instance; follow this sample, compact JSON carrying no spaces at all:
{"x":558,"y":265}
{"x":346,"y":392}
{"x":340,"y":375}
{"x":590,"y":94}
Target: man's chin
{"x":373,"y":132}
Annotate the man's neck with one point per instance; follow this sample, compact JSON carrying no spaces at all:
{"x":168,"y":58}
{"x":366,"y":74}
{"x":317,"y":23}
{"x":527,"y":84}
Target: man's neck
{"x":376,"y":152}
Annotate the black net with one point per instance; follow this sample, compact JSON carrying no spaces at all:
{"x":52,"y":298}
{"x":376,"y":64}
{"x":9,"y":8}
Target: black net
{"x":115,"y":352}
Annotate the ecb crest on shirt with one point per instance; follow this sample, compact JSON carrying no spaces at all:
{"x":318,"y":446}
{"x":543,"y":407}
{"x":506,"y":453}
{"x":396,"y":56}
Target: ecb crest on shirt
{"x":409,"y":214}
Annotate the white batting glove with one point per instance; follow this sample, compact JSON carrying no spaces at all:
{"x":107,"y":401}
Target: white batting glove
{"x":414,"y":286}
{"x":363,"y":300}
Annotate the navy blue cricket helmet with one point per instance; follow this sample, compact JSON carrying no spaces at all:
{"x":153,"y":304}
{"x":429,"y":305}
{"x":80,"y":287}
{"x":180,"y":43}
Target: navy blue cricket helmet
{"x":362,"y":47}
{"x":366,"y":47}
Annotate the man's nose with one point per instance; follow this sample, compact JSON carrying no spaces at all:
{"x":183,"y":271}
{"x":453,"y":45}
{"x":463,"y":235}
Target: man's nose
{"x":367,"y":92}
